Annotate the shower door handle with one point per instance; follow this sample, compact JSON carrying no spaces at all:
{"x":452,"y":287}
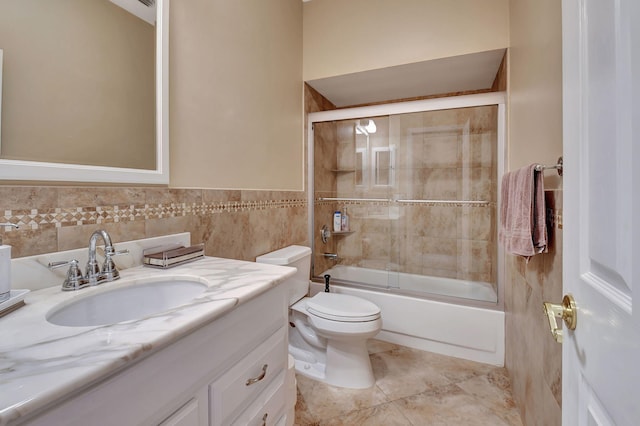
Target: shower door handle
{"x":567,"y":311}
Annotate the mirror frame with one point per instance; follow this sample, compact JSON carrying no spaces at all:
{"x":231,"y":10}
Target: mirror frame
{"x":19,"y":170}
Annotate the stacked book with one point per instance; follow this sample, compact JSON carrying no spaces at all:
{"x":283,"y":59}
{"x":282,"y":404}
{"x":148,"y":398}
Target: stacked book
{"x":166,"y":257}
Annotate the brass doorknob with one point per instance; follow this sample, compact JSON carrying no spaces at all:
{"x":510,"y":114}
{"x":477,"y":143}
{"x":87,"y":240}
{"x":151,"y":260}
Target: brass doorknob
{"x":567,"y":311}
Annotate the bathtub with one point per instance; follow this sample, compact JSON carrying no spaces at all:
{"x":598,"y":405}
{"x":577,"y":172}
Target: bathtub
{"x":451,"y":287}
{"x":467,"y":332}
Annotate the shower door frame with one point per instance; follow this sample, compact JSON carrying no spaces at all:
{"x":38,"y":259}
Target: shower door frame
{"x":436,"y":104}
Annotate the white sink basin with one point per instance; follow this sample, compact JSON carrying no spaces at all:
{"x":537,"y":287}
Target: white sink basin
{"x":125,"y":303}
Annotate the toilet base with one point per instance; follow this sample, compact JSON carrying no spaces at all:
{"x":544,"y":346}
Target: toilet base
{"x":349,"y":366}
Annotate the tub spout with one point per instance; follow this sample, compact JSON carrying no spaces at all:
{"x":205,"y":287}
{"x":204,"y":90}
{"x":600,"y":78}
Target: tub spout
{"x":333,"y":256}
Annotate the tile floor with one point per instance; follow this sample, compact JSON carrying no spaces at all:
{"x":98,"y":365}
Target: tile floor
{"x":412,"y":388}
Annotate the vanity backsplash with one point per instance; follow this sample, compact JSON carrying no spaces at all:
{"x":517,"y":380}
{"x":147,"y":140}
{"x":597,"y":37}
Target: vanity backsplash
{"x":238,"y":224}
{"x":32,"y":272}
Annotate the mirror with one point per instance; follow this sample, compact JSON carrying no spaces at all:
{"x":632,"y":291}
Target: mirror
{"x":84,"y":91}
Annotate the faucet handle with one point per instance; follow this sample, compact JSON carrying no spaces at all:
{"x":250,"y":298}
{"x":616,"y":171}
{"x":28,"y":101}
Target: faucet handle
{"x":109,"y":270}
{"x":74,"y":280}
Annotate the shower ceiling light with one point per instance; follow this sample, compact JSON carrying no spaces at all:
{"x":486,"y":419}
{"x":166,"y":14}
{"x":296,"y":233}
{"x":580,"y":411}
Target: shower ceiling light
{"x":365,"y":127}
{"x":371,"y":127}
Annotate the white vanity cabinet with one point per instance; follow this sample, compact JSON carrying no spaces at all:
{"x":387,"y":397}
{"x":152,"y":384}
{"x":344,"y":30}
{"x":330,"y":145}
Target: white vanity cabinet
{"x":230,"y":371}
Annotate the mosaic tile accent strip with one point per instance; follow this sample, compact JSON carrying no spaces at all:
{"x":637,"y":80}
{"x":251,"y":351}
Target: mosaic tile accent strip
{"x":389,"y":203}
{"x":76,"y":216}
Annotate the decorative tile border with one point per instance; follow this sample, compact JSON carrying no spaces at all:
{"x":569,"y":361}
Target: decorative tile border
{"x":76,"y":216}
{"x":322,"y":202}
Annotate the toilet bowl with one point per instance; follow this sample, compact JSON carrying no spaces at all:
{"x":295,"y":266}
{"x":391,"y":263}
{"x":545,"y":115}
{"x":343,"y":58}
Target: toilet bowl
{"x":328,"y":332}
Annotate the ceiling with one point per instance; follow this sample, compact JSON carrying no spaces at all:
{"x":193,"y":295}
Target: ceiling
{"x":475,"y":71}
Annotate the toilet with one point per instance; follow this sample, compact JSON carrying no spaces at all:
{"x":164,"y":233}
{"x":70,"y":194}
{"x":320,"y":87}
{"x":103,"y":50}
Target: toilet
{"x":328,"y":332}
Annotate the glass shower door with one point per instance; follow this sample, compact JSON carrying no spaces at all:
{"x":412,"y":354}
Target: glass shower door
{"x":446,"y":196}
{"x":420,"y":190}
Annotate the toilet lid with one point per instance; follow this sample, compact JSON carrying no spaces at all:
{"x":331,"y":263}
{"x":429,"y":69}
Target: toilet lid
{"x":342,"y":307}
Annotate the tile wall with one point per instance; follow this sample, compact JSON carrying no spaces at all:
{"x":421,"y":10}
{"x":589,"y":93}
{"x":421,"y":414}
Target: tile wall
{"x":533,"y":357}
{"x":325,"y":153}
{"x":232,"y":224}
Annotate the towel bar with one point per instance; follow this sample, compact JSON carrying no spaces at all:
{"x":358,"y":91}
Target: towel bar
{"x":542,"y":167}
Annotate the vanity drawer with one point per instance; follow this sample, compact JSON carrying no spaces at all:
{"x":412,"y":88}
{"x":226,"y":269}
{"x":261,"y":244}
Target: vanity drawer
{"x":238,"y":387}
{"x":266,"y":410}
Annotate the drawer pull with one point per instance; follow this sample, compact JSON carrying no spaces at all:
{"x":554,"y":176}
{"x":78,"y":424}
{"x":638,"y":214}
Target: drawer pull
{"x":260,"y":377}
{"x":264,"y":419}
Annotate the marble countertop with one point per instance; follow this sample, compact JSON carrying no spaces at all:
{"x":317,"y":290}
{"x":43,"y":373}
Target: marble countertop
{"x":41,"y":363}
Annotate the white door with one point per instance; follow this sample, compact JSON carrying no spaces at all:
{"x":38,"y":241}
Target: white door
{"x":601,"y":79}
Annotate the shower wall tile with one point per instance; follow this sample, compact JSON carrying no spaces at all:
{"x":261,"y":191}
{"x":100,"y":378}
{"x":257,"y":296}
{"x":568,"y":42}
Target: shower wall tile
{"x":346,"y":184}
{"x":438,"y":150}
{"x":475,"y":256}
{"x":323,"y":216}
{"x":437,"y":183}
{"x":481,"y":119}
{"x":408,"y":129}
{"x":376,"y":246}
{"x":533,"y":358}
{"x":437,"y":221}
{"x":446,"y":117}
{"x":477,"y":184}
{"x":479,"y":150}
{"x":440,"y":253}
{"x":476,"y":223}
{"x":373,"y":225}
{"x":413,"y":249}
{"x":350,"y":247}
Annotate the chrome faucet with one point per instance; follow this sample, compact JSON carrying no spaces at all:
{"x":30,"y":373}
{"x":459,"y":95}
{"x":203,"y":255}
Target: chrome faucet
{"x":333,"y":256}
{"x":109,"y":272}
{"x":94,"y":275}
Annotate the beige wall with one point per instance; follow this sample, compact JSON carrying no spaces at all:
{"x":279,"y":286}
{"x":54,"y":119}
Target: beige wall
{"x":347,"y":36}
{"x":533,"y":358}
{"x":236,"y":94}
{"x":535,"y":85}
{"x":75,"y":90}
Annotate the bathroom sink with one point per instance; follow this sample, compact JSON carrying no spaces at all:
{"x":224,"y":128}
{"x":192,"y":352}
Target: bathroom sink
{"x":125,"y":303}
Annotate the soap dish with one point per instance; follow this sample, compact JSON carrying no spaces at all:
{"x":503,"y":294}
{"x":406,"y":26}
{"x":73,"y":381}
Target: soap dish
{"x":15,"y":301}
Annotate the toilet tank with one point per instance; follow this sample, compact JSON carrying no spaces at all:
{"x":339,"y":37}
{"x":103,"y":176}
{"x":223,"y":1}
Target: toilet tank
{"x":297,"y":256}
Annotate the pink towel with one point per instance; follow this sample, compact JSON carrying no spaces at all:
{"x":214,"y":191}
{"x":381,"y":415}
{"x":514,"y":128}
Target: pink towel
{"x":523,"y":227}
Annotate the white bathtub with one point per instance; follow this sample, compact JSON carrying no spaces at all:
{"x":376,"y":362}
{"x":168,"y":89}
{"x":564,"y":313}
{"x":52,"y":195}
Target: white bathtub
{"x":416,"y":283}
{"x":451,"y":329}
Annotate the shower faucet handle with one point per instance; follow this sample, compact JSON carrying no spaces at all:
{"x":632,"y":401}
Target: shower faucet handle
{"x":327,"y":277}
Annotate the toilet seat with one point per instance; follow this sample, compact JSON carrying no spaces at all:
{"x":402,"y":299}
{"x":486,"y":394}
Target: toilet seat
{"x":342,"y":307}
